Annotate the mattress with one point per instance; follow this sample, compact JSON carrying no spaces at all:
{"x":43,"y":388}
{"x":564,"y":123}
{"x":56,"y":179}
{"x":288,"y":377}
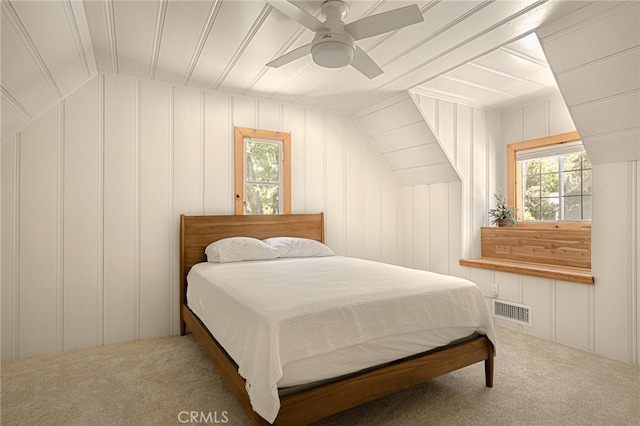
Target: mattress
{"x":291,"y":321}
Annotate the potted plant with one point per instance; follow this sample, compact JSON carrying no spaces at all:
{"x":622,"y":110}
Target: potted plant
{"x":503,"y":214}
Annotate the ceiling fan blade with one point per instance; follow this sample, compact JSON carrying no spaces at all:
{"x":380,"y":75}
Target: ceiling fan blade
{"x":384,"y":22}
{"x":363,"y":63}
{"x":291,"y":56}
{"x":297,"y":14}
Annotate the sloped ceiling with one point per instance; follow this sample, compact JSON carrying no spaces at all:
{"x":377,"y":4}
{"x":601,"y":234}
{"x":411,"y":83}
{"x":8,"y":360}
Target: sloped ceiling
{"x":476,"y":52}
{"x":400,"y":133}
{"x":511,"y":76}
{"x":600,"y":79}
{"x":49,"y":48}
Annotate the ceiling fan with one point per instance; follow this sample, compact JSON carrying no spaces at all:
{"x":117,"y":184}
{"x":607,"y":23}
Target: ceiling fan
{"x":334,"y":43}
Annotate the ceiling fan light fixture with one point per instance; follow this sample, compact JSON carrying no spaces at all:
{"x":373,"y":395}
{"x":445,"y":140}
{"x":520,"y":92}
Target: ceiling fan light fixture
{"x":332,"y":54}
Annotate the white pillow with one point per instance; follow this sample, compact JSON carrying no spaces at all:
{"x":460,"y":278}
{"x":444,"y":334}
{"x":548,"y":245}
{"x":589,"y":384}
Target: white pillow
{"x":238,"y":249}
{"x":298,"y":247}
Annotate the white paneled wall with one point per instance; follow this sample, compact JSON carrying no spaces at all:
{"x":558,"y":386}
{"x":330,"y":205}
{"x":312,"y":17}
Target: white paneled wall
{"x":440,"y":223}
{"x":604,"y":317}
{"x":614,"y":261}
{"x":93,"y":189}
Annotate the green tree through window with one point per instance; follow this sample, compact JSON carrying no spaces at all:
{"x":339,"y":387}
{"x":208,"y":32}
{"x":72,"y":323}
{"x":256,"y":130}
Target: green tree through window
{"x":263,"y":178}
{"x":262,"y":171}
{"x":557,"y":188}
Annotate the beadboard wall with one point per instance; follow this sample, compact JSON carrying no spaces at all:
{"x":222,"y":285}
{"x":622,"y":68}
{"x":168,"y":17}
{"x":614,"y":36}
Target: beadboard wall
{"x":604,"y":317}
{"x":440,"y":223}
{"x":92,"y":191}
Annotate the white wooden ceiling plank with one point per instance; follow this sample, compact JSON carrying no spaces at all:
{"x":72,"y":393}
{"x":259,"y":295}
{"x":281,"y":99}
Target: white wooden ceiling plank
{"x":485,"y":82}
{"x":21,"y":76}
{"x":270,"y":31}
{"x":501,"y":61}
{"x":49,"y":28}
{"x":610,"y":76}
{"x":184,"y":22}
{"x":529,"y":46}
{"x":608,"y":115}
{"x":613,"y":147}
{"x":594,"y":38}
{"x":391,"y":117}
{"x":233,"y":22}
{"x":388,"y":102}
{"x":404,"y":137}
{"x":84,"y":36}
{"x":135,"y":26}
{"x":422,"y":155}
{"x":440,"y":22}
{"x":585,"y":10}
{"x":354,"y":14}
{"x":275,"y":82}
{"x":437,"y":173}
{"x":96,"y":21}
{"x":457,"y":97}
{"x":478,"y":94}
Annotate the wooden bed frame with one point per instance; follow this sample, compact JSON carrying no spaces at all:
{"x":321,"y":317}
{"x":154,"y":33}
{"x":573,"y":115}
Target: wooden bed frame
{"x":196,"y":232}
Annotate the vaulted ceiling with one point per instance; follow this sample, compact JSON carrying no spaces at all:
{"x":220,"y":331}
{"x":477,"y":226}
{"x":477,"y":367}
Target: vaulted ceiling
{"x":476,"y":52}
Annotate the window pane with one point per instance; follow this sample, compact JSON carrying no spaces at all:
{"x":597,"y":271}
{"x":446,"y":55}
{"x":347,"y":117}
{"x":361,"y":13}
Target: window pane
{"x":586,"y":207}
{"x":586,"y":182}
{"x":262,"y":199}
{"x":556,"y":182}
{"x":550,"y":185}
{"x":532,"y":209}
{"x":262,"y":161}
{"x":531,"y":200}
{"x":572,"y":208}
{"x":550,"y":209}
{"x":549,"y":164}
{"x":572,"y":161}
{"x":572,"y":183}
{"x":531,"y":167}
{"x":532,"y":185}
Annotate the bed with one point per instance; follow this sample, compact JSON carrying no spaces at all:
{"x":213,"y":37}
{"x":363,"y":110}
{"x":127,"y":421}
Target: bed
{"x":304,"y":404}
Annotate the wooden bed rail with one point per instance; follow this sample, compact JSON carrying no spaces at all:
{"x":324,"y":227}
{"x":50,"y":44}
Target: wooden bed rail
{"x":334,"y":397}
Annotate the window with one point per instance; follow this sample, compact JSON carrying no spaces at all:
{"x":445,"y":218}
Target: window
{"x":262,"y":172}
{"x":549,"y":180}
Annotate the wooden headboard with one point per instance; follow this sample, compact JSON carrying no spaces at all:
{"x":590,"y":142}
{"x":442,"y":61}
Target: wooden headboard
{"x":197,"y":232}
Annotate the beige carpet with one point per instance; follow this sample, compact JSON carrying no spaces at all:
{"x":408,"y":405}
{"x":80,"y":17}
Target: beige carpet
{"x":162,"y":381}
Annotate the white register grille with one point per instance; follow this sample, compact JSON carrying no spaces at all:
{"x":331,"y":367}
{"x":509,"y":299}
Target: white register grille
{"x":510,"y":311}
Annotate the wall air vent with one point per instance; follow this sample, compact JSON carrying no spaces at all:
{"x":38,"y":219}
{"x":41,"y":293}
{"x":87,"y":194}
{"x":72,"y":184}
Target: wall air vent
{"x":514,"y":312}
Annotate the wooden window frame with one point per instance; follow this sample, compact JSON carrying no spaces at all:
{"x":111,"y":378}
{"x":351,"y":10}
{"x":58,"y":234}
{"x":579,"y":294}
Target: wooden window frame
{"x":240,"y":133}
{"x":514,"y":191}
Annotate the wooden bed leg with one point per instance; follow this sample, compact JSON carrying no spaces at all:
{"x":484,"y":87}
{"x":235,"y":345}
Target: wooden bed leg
{"x":183,"y":323}
{"x":488,"y":371}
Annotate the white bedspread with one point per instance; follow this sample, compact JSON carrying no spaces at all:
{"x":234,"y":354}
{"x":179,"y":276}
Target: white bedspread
{"x":270,"y":313}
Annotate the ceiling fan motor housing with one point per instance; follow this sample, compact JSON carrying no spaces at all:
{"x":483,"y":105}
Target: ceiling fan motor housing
{"x":333,"y":48}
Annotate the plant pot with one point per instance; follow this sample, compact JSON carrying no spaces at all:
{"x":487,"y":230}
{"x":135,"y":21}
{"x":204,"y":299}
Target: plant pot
{"x":505,"y":223}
